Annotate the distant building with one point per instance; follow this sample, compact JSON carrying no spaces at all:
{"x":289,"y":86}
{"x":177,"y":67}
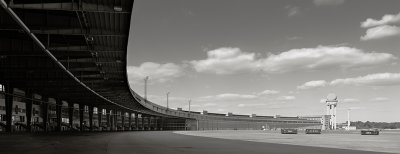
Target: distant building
{"x":324,"y":119}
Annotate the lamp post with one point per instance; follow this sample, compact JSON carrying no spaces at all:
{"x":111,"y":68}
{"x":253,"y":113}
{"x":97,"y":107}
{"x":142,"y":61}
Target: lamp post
{"x":145,"y":88}
{"x":348,"y":119}
{"x":167,"y":100}
{"x":189,"y":105}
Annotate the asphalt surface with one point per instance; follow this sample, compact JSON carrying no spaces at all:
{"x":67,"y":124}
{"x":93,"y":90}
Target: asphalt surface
{"x":158,"y":142}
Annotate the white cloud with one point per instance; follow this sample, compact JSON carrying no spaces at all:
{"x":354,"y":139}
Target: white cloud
{"x":312,"y":84}
{"x":225,"y":61}
{"x":251,"y":105}
{"x":380,"y":99}
{"x":328,"y":2}
{"x":156,"y":72}
{"x":292,"y":10}
{"x":286,"y":98}
{"x":350,"y":100}
{"x":386,"y":19}
{"x":322,"y":57}
{"x":381,"y":32}
{"x":233,"y":60}
{"x":209,"y":104}
{"x":380,"y":79}
{"x":227,"y":96}
{"x":269,"y":92}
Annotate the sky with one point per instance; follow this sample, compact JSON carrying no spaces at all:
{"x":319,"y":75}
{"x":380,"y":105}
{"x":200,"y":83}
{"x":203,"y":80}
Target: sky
{"x":275,"y":57}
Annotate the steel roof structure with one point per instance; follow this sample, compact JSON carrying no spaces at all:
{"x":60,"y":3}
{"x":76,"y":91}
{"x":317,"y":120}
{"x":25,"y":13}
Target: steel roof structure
{"x":74,"y":50}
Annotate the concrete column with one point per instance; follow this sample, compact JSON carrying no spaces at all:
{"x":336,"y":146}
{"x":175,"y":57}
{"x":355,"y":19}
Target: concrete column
{"x":99,"y":116}
{"x":108,"y":114}
{"x":45,"y":113}
{"x":130,"y":120}
{"x":162,"y":123}
{"x":137,"y":121}
{"x":71,"y":114}
{"x":123,"y":120}
{"x":28,"y":112}
{"x":91,"y":118}
{"x":149,"y":123}
{"x":156,"y":123}
{"x":8,"y":105}
{"x":81,"y":108}
{"x":143,"y":126}
{"x":115,"y":118}
{"x":58,"y":114}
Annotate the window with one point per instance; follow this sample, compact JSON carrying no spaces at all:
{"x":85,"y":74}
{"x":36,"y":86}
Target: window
{"x":22,"y":118}
{"x":2,"y":117}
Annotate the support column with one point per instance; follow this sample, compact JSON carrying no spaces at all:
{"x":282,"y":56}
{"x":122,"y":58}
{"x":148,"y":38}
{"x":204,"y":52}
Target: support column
{"x":156,"y":123}
{"x":136,"y":121}
{"x":116,"y":120}
{"x":8,"y":104}
{"x":45,"y":113}
{"x":99,"y":116}
{"x":58,"y":114}
{"x":108,"y":115}
{"x":123,"y":120}
{"x":162,"y":123}
{"x":149,"y":122}
{"x":143,"y":126}
{"x":71,"y":114}
{"x":81,"y":108}
{"x":91,"y":118}
{"x":130,"y":120}
{"x":28,"y":112}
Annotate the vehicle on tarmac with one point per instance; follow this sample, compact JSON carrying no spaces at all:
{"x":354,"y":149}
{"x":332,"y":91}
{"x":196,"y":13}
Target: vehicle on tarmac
{"x":288,"y":131}
{"x":370,"y":132}
{"x":313,"y":131}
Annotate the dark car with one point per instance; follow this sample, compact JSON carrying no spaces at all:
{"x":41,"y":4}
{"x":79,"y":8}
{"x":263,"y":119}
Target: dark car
{"x":313,"y":131}
{"x":288,"y":131}
{"x":370,"y":132}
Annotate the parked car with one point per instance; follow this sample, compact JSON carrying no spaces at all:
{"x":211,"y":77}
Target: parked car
{"x":288,"y":131}
{"x":370,"y":132}
{"x":313,"y":131}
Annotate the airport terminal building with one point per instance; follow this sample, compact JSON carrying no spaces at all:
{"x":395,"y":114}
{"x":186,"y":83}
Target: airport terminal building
{"x":63,"y":68}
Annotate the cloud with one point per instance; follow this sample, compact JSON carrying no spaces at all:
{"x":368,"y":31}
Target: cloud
{"x":386,"y":19}
{"x":312,"y":84}
{"x":323,"y":57}
{"x":209,"y":104}
{"x":381,"y":32}
{"x":225,"y":61}
{"x":233,"y":60}
{"x":380,"y":79}
{"x":380,"y":99}
{"x":157,"y":72}
{"x":227,"y":96}
{"x":328,"y":2}
{"x":269,"y":92}
{"x":292,"y":10}
{"x":350,"y":100}
{"x":251,"y":105}
{"x":286,"y":98}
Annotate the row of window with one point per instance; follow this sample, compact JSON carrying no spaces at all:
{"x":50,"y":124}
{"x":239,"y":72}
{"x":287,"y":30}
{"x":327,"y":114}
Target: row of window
{"x":17,"y":118}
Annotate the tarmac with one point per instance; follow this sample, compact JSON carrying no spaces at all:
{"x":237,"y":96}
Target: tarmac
{"x":147,"y":142}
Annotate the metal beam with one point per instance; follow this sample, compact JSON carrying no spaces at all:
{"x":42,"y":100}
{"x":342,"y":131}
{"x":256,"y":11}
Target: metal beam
{"x":71,"y":6}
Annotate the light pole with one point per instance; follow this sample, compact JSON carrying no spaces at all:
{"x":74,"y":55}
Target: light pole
{"x":167,"y":100}
{"x":348,"y":119}
{"x":189,"y":106}
{"x":145,"y":88}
